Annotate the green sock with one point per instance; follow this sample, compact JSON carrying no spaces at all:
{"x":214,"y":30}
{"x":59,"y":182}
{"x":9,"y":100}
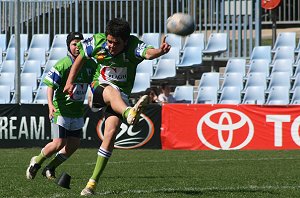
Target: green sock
{"x":40,"y":158}
{"x":102,"y":160}
{"x":126,"y":112}
{"x":57,"y":160}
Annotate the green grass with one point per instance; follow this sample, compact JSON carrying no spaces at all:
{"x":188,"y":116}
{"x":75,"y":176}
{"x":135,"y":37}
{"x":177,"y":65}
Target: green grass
{"x":157,"y":173}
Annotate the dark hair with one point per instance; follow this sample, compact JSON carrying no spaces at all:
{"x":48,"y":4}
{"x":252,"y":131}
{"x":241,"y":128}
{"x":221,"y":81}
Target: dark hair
{"x":118,"y":28}
{"x":149,"y":90}
{"x":164,"y":85}
{"x":71,"y":36}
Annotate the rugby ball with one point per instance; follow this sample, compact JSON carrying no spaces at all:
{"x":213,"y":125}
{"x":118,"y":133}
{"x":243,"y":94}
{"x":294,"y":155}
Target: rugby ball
{"x":181,"y":24}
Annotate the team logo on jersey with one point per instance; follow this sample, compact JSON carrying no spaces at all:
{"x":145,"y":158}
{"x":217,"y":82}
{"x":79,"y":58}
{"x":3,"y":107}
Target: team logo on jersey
{"x":130,"y":136}
{"x":140,"y":49}
{"x":101,"y":55}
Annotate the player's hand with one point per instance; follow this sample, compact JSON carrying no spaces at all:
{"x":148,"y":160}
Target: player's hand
{"x":165,"y":47}
{"x":52,"y":110}
{"x":69,"y":87}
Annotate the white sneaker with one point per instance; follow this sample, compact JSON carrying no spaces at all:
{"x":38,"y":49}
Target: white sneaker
{"x":135,"y":112}
{"x":32,"y":168}
{"x":87,"y":192}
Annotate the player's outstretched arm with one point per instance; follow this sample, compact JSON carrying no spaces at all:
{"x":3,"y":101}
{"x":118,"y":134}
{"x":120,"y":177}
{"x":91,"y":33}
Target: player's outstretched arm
{"x":72,"y":75}
{"x":155,"y":53}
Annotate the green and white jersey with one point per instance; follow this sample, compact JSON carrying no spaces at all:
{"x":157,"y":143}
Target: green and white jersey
{"x":66,"y":105}
{"x":118,"y":71}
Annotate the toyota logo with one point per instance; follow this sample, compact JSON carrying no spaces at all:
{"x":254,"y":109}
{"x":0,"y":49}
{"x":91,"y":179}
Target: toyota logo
{"x":230,"y":126}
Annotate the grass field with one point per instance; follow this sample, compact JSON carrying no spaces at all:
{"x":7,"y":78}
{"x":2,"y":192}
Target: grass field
{"x":157,"y":173}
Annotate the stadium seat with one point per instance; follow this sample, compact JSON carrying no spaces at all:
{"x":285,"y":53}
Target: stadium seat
{"x":230,"y":95}
{"x":3,"y":43}
{"x":49,"y":64}
{"x":29,"y":79}
{"x":57,"y":53}
{"x":285,"y":39}
{"x":141,"y":82}
{"x":1,"y":59}
{"x":41,"y":95}
{"x":5,"y":94}
{"x":87,"y":35}
{"x":40,"y":41}
{"x":194,"y":40}
{"x":254,"y":95}
{"x":207,"y":95}
{"x":284,"y":53}
{"x":146,"y":66}
{"x":153,"y":39}
{"x":165,"y":68}
{"x":233,"y":80}
{"x":59,"y":41}
{"x":296,"y":96}
{"x":256,"y":79}
{"x":281,"y":79}
{"x":210,"y":79}
{"x":8,"y":66}
{"x":37,"y":54}
{"x":192,"y":56}
{"x":7,"y":79}
{"x":261,"y":52}
{"x":174,"y":40}
{"x":296,"y":82}
{"x":297,"y":50}
{"x":236,"y":65}
{"x":259,"y":66}
{"x":184,"y":94}
{"x":278,"y":96}
{"x":216,"y":45}
{"x":174,"y":53}
{"x":283,"y":65}
{"x":23,"y":41}
{"x":32,"y":66}
{"x":26,"y":95}
{"x":11,"y":54}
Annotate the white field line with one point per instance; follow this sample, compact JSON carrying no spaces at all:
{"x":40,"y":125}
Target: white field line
{"x":200,"y":160}
{"x":201,"y":190}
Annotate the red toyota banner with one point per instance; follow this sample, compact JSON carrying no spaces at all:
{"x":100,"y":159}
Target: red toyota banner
{"x":230,"y":127}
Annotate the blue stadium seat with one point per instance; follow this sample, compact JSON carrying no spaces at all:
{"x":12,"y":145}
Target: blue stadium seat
{"x":284,"y":53}
{"x":174,"y":53}
{"x":38,"y":54}
{"x":57,"y":53}
{"x":233,"y":80}
{"x":29,"y":79}
{"x":261,"y":52}
{"x":40,"y":41}
{"x":285,"y":39}
{"x":296,"y":96}
{"x":191,"y":56}
{"x":259,"y":66}
{"x":236,"y":65}
{"x":165,"y":68}
{"x":3,"y":43}
{"x":23,"y":41}
{"x":49,"y":64}
{"x":254,"y":95}
{"x":296,"y":82}
{"x":8,"y":66}
{"x":278,"y":96}
{"x":283,"y":65}
{"x":281,"y":79}
{"x":146,"y":66}
{"x":207,"y":95}
{"x":256,"y":79}
{"x":210,"y":79}
{"x":194,"y":40}
{"x":59,"y":41}
{"x":26,"y":95}
{"x":184,"y":94}
{"x":5,"y":94}
{"x":153,"y":39}
{"x":41,"y":95}
{"x":141,"y":82}
{"x":230,"y":95}
{"x":174,"y":40}
{"x":7,"y":79}
{"x":11,"y":54}
{"x":32,"y":66}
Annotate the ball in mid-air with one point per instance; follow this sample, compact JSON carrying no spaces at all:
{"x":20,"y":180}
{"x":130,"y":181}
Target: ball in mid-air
{"x":181,"y":24}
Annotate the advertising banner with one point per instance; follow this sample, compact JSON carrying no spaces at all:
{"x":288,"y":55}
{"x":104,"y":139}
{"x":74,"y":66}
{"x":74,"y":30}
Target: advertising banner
{"x":230,"y":127}
{"x":28,"y":125}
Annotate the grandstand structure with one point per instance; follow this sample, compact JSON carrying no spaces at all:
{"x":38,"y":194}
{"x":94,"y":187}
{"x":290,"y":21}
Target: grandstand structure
{"x":228,"y":35}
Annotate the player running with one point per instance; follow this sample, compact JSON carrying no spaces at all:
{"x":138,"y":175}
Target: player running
{"x":65,"y":111}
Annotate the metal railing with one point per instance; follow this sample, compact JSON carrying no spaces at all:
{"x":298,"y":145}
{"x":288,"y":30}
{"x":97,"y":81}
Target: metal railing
{"x":241,"y":19}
